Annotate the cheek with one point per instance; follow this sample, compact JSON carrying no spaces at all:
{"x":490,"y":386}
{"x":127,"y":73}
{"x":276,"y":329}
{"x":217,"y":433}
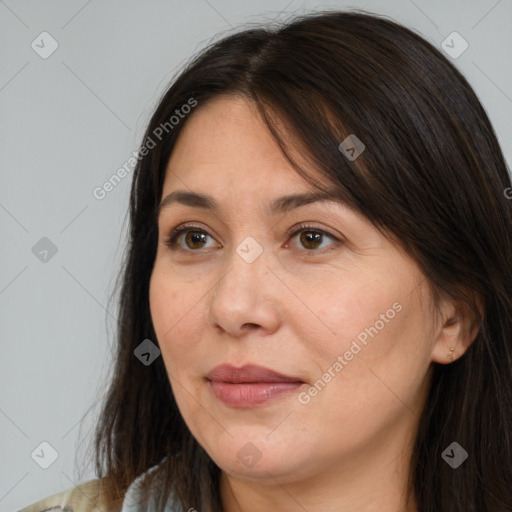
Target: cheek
{"x":177,"y":318}
{"x":356,"y":311}
{"x":380,"y":331}
{"x":383,"y":368}
{"x":175,"y":314}
{"x":380,"y":315}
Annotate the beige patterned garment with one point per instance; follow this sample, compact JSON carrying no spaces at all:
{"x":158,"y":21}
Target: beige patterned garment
{"x":87,"y":497}
{"x":82,"y":498}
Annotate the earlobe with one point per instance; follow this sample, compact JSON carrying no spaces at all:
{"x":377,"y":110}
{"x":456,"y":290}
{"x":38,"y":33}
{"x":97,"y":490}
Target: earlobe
{"x":450,"y":354}
{"x":448,"y":344}
{"x":457,"y":333}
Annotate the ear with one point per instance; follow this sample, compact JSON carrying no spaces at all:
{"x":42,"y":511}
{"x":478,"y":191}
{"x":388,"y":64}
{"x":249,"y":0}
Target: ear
{"x":460,"y":324}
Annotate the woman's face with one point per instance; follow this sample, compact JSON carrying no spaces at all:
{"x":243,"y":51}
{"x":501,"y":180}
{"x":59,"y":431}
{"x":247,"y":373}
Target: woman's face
{"x":336,"y":307}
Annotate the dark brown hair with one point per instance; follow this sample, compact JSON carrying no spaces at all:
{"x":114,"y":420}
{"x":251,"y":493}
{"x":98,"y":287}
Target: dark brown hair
{"x":432,"y":175}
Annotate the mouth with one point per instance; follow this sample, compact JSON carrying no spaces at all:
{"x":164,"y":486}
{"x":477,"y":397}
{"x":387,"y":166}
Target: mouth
{"x":250,"y":385}
{"x":249,"y":373}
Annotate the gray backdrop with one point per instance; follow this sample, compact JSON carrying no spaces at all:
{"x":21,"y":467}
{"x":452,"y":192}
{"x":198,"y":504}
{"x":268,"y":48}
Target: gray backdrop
{"x":78,"y":82}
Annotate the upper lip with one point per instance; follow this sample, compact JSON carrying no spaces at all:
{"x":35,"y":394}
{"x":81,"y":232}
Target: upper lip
{"x":247,"y":373}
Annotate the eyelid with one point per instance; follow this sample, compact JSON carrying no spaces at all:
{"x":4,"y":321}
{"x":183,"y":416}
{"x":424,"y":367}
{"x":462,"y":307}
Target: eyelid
{"x":303,"y":226}
{"x":171,"y":239}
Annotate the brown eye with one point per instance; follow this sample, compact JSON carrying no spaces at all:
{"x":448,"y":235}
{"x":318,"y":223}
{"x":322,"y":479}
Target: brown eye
{"x":312,"y":237}
{"x":194,"y":238}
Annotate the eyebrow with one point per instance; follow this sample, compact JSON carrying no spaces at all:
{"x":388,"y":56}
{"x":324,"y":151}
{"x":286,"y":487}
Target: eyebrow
{"x":277,"y":206}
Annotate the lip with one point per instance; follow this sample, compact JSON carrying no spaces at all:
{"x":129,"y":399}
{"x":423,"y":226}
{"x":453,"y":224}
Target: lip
{"x":250,"y":385}
{"x":247,"y":373}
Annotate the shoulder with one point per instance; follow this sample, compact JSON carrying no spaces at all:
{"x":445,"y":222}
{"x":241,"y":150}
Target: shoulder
{"x":85,"y":497}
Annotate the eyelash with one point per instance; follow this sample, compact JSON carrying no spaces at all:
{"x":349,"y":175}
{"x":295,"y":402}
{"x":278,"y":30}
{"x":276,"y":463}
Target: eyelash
{"x":176,"y":232}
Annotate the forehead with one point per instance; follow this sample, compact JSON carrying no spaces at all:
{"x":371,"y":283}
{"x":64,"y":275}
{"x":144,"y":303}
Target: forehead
{"x":225,"y":145}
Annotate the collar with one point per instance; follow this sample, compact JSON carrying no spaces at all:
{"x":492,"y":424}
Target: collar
{"x":133,"y":494}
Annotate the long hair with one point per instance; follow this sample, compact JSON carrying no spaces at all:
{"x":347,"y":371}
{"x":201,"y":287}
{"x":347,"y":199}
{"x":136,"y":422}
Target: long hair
{"x":432,"y":175}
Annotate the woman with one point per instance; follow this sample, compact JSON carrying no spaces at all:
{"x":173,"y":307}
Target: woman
{"x":316,"y":302}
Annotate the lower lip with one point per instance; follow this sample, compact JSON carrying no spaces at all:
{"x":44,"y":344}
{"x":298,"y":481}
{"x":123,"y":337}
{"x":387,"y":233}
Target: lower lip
{"x":247,"y":395}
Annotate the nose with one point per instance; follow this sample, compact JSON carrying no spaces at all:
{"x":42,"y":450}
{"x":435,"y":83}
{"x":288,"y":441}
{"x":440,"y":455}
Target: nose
{"x":246,"y":295}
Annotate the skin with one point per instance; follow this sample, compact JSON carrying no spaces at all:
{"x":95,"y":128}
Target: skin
{"x":295,"y":309}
